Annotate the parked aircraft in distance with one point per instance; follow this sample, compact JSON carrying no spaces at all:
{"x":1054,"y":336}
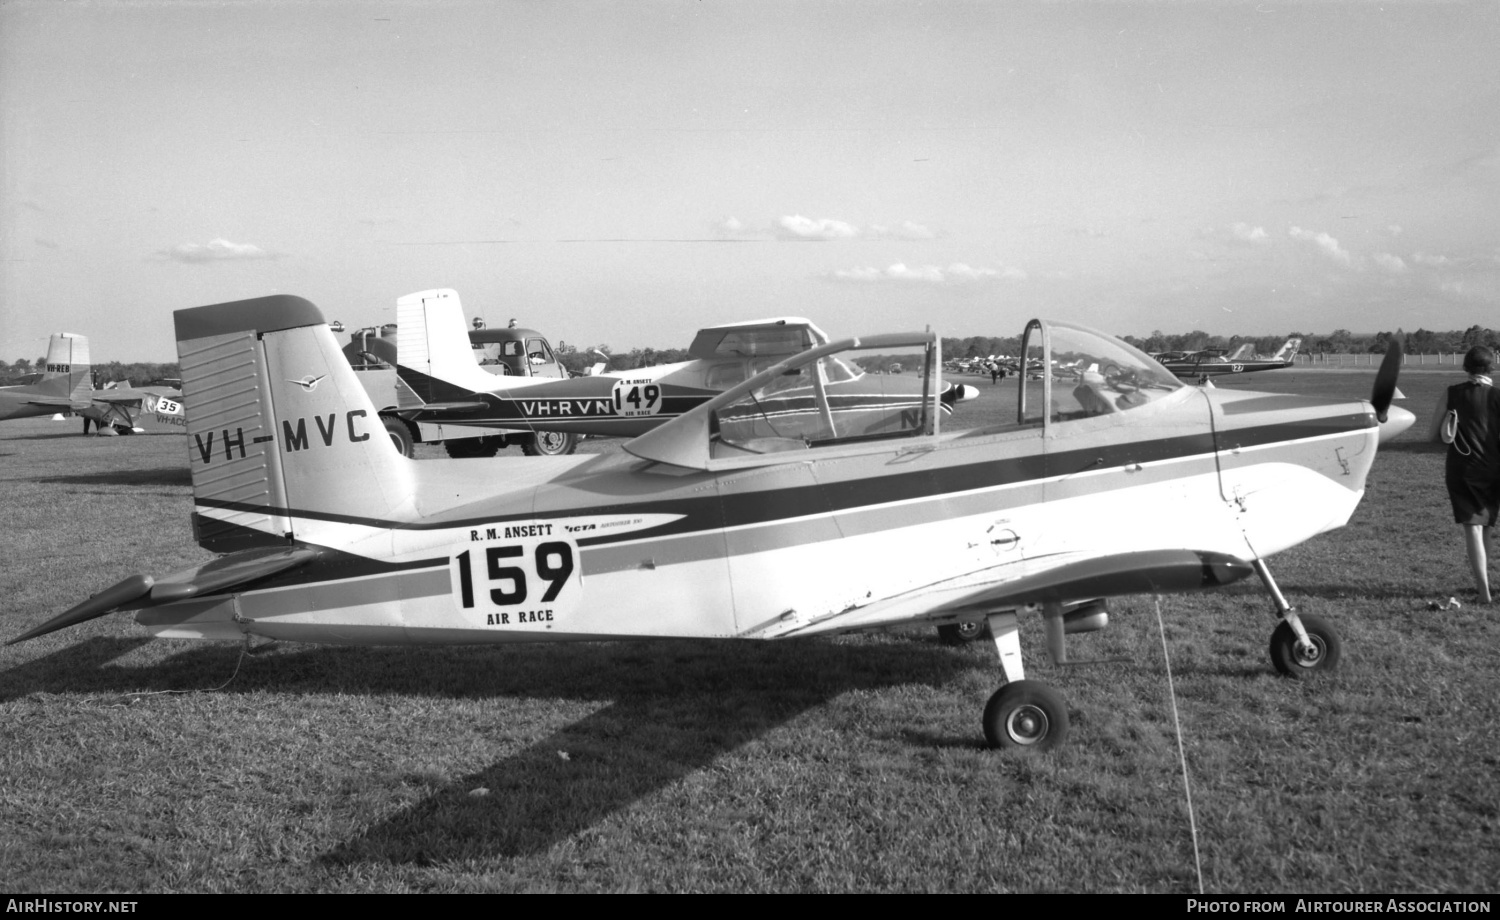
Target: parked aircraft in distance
{"x":445,"y":383}
{"x":1214,"y":362}
{"x":65,"y":384}
{"x":751,"y":516}
{"x":66,"y":387}
{"x":127,"y":409}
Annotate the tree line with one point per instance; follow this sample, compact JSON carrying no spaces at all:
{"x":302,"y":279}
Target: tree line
{"x":1339,"y":341}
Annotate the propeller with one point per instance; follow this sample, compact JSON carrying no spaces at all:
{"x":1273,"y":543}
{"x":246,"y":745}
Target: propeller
{"x":1385,"y":380}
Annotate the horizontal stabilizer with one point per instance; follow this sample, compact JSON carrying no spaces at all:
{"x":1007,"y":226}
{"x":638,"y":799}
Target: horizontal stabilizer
{"x":131,"y":589}
{"x":139,"y":591}
{"x":227,"y":571}
{"x":454,"y":408}
{"x":65,"y":404}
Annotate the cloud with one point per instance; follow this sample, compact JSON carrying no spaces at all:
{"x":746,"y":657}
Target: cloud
{"x":1248,"y":234}
{"x":797,"y":227}
{"x":1436,"y":261}
{"x":1323,"y":241}
{"x":216,"y":250}
{"x":907,"y":230}
{"x":957,"y":273}
{"x":729,"y":227}
{"x":1394,"y":229}
{"x":1389,"y":262}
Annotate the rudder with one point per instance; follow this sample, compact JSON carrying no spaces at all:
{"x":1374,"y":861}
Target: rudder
{"x":432,"y":340}
{"x":68,"y":372}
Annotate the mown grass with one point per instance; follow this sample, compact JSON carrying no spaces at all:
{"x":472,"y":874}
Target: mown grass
{"x":848,"y":764}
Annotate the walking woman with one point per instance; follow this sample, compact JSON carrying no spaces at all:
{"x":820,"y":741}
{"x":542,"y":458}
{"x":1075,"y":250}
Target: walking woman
{"x":1470,"y":423}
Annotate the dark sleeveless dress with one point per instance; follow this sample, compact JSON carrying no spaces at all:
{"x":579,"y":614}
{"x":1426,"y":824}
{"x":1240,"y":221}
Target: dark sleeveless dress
{"x":1472,"y":473}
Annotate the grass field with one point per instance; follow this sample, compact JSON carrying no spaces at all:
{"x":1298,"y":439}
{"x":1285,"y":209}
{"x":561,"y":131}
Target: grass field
{"x":848,"y":764}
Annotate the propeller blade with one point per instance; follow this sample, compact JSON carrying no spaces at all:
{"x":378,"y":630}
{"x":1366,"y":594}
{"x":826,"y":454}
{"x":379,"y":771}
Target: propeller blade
{"x":1385,"y":380}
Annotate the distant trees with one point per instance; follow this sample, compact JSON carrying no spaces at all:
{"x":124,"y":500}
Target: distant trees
{"x":1339,"y":341}
{"x":579,"y":360}
{"x":138,"y":373}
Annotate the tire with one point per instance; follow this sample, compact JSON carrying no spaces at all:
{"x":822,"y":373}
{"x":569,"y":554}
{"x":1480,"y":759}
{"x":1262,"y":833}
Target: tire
{"x":1327,"y":649}
{"x":1026,"y":716}
{"x":550,"y":444}
{"x":487,"y":446}
{"x":963,"y":632}
{"x":401,"y":436}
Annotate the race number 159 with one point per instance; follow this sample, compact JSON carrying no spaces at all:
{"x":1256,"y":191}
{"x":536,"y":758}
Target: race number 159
{"x":510,"y":576}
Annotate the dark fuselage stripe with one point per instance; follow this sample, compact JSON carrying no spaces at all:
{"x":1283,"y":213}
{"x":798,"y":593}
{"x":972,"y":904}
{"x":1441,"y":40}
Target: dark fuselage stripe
{"x":716,"y":511}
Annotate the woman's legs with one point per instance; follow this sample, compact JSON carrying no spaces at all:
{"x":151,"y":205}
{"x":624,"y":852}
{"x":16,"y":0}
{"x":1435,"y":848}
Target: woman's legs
{"x":1475,"y":540}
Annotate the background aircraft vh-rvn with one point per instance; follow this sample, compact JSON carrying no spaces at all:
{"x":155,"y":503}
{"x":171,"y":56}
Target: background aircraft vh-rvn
{"x":441,"y":380}
{"x":751,"y":516}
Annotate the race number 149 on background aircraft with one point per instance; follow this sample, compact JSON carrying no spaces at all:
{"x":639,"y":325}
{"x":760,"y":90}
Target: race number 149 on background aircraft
{"x":638,"y":397}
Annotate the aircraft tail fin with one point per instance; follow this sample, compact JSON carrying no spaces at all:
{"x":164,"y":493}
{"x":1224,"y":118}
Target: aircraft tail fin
{"x":1289,"y":349}
{"x":283,"y":441}
{"x":432,"y":347}
{"x":68,"y":373}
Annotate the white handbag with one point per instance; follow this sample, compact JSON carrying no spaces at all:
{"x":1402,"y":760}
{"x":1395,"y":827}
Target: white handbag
{"x":1450,"y":426}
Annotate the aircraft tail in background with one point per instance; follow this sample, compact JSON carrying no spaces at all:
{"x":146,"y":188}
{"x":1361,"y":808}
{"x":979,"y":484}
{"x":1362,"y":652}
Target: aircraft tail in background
{"x":68,"y":367}
{"x":1288,"y":351}
{"x":66,"y":384}
{"x":432,"y":340}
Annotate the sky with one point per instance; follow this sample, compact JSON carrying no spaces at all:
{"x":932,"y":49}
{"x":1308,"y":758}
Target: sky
{"x":625,"y":173}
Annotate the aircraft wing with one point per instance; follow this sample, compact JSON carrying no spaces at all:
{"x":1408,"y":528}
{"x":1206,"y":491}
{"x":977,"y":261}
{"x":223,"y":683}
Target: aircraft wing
{"x":1064,"y":577}
{"x":140,"y":591}
{"x":60,"y":403}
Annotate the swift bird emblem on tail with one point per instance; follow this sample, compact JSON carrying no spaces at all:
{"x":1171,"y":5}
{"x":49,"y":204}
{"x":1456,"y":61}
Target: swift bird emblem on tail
{"x":308,"y":383}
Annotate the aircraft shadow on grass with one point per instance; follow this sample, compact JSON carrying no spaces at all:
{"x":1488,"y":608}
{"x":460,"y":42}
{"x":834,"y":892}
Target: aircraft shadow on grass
{"x":673,"y":708}
{"x":162,"y":476}
{"x":48,"y":436}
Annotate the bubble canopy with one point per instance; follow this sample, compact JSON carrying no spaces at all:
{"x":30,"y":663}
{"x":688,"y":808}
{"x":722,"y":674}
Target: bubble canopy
{"x":845,"y":393}
{"x":880,"y":392}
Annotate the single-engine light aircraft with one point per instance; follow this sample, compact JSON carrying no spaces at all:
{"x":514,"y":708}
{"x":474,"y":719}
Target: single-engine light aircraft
{"x":444,"y":382}
{"x":66,"y":387}
{"x":1215,"y":362}
{"x":756,"y":515}
{"x":127,"y":410}
{"x":65,"y":384}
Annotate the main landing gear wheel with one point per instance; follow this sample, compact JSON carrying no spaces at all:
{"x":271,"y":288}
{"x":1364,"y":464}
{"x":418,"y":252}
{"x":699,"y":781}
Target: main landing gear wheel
{"x":401,"y":436}
{"x":1321,"y":654}
{"x":962,"y":632}
{"x":1028,"y":716}
{"x":550,"y":444}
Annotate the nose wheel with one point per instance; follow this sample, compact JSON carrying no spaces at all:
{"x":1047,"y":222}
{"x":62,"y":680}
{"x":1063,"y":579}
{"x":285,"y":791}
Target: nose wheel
{"x":1297,"y":658}
{"x":1302,"y":644}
